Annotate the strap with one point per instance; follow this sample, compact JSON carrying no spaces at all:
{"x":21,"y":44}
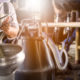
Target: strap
{"x":6,"y":8}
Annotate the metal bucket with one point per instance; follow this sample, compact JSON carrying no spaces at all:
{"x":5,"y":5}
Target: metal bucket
{"x":38,"y":64}
{"x":11,"y":56}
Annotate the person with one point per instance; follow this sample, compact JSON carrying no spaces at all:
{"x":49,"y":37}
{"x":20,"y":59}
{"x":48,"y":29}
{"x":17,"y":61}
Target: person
{"x":8,"y":21}
{"x":63,"y":7}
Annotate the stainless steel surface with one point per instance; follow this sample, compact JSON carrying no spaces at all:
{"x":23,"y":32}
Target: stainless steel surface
{"x":9,"y":77}
{"x":38,"y":64}
{"x":12,"y":57}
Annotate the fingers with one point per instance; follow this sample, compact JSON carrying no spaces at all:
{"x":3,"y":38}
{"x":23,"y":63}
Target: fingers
{"x":5,"y":26}
{"x":7,"y":20}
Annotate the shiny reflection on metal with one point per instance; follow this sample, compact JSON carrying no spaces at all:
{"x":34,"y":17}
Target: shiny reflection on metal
{"x":38,"y":64}
{"x":13,"y":57}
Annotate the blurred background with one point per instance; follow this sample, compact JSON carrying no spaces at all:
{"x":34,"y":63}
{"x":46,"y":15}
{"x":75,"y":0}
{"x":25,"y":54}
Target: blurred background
{"x":28,"y":8}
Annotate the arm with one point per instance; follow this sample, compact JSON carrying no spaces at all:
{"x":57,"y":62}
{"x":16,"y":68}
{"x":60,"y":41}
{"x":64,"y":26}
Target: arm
{"x":10,"y":25}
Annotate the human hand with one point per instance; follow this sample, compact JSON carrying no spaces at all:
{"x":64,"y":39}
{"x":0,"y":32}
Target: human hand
{"x":6,"y":25}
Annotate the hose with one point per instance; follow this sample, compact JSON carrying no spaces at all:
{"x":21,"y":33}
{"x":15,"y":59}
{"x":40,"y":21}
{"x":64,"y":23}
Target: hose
{"x":48,"y":54}
{"x":57,"y":54}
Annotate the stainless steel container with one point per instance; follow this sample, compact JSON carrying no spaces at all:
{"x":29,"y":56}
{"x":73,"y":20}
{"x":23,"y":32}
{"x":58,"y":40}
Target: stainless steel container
{"x":38,"y":64}
{"x":11,"y":56}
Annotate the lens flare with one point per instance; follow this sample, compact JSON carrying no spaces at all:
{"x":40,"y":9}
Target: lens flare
{"x":34,"y":5}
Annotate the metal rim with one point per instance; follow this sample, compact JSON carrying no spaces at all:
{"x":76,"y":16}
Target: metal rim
{"x":3,"y":60}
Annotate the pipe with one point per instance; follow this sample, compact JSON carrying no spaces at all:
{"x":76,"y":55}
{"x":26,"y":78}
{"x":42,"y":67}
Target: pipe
{"x":62,"y":24}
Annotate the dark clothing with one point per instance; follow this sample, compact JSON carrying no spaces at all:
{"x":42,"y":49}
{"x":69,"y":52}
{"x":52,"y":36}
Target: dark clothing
{"x":67,"y":5}
{"x":70,"y":39}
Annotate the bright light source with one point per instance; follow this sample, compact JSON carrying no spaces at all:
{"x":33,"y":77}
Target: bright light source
{"x":34,"y":5}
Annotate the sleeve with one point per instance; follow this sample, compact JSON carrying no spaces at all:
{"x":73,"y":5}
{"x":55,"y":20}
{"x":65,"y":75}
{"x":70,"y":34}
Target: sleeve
{"x":12,"y":14}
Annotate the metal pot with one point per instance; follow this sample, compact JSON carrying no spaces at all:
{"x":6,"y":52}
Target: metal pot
{"x":38,"y":64}
{"x":11,"y":56}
